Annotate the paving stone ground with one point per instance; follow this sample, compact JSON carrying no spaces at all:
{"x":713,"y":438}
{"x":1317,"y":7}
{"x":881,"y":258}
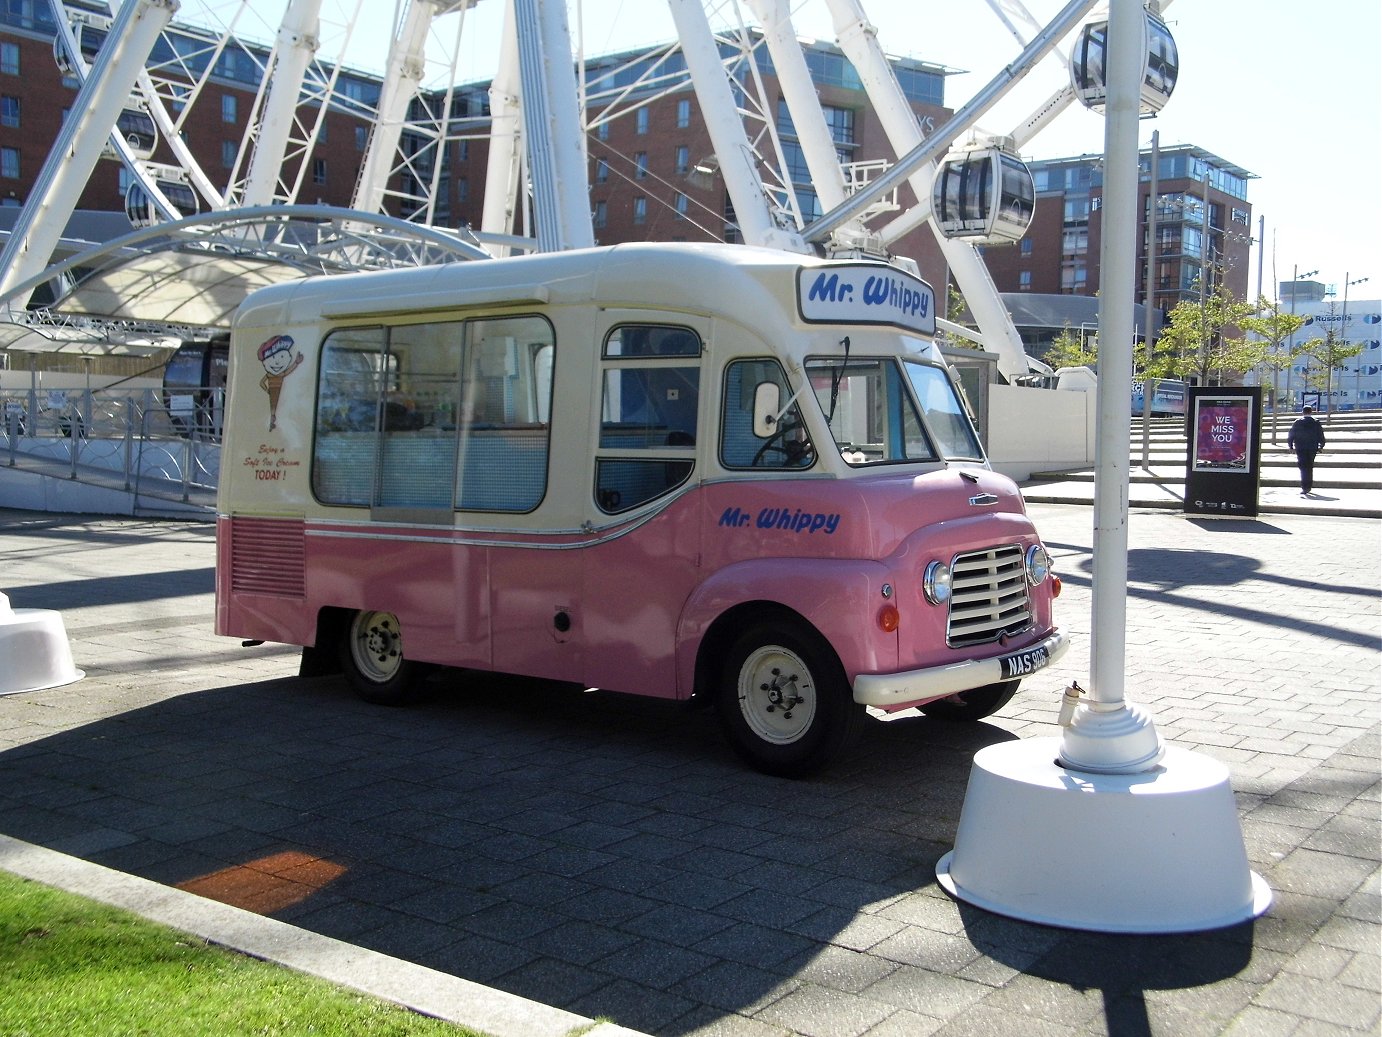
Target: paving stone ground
{"x":608,"y":856}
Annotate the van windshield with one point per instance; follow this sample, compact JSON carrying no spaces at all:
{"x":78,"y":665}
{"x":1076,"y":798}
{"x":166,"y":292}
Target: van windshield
{"x":882,"y":410}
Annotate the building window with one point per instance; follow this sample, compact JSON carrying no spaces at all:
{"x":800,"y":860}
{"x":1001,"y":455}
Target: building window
{"x":682,"y":205}
{"x":640,"y":163}
{"x":640,"y":209}
{"x":361,"y":137}
{"x":683,"y":114}
{"x":601,"y":171}
{"x":465,"y":151}
{"x":1024,"y":280}
{"x":9,"y":111}
{"x":1026,"y":246}
{"x":9,"y":163}
{"x":229,"y":150}
{"x":230,"y":108}
{"x":463,"y":189}
{"x":841,"y":123}
{"x":642,"y":120}
{"x":683,"y":160}
{"x":602,"y":131}
{"x":601,"y":215}
{"x":9,"y":59}
{"x":319,"y":171}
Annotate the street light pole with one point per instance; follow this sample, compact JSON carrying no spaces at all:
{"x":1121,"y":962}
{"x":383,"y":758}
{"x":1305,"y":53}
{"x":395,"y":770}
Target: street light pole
{"x":1296,"y":278}
{"x":1343,"y":331}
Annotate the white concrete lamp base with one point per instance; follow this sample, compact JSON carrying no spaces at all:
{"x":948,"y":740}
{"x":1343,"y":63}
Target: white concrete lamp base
{"x":1155,"y":852}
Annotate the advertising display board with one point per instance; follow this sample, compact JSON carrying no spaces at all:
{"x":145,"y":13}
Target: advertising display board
{"x":1223,"y":463}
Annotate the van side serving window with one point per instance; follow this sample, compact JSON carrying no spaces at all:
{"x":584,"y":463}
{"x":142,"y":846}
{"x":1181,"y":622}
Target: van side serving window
{"x":650,"y":397}
{"x":435,"y":416}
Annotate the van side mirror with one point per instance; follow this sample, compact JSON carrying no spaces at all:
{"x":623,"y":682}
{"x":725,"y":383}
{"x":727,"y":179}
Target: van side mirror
{"x":767,"y":403}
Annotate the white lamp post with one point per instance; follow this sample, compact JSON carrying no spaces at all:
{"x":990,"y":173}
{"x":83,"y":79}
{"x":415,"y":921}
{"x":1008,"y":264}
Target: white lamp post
{"x":1106,"y":828}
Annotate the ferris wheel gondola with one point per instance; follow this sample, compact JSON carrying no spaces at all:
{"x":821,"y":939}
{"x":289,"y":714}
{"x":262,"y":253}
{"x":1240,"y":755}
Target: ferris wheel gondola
{"x":140,"y":206}
{"x":138,"y":130}
{"x":983,"y":192}
{"x":1088,"y":65}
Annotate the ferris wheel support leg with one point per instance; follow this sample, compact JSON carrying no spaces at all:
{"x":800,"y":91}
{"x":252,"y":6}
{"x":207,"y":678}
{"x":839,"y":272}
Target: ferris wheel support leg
{"x":552,"y":126}
{"x":802,"y":100}
{"x":403,"y":76}
{"x":298,"y":38}
{"x":504,"y":168}
{"x":752,"y":206}
{"x":81,"y":140}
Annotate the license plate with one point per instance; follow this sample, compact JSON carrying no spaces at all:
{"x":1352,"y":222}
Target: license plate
{"x":1019,"y":664}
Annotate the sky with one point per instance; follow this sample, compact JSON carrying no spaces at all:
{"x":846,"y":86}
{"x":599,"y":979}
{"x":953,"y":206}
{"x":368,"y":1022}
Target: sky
{"x":1291,"y":92}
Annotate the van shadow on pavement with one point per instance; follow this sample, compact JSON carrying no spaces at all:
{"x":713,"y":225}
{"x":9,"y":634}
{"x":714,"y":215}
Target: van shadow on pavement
{"x":600,"y":853}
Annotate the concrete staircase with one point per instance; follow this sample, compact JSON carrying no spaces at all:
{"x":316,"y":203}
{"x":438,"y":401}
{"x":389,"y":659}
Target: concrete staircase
{"x":1348,"y":474}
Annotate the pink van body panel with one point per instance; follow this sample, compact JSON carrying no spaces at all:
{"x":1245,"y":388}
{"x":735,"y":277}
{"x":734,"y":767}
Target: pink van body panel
{"x":638,"y":601}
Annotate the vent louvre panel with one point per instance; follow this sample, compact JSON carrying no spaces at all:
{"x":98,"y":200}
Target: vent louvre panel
{"x":268,"y":556}
{"x":989,"y":596}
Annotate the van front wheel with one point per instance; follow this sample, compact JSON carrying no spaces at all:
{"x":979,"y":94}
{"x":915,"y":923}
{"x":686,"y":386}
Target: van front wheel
{"x":373,"y":660}
{"x":784,"y":701}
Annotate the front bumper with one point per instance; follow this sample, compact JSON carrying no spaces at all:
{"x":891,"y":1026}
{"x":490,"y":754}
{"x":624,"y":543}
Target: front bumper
{"x":892,"y":690}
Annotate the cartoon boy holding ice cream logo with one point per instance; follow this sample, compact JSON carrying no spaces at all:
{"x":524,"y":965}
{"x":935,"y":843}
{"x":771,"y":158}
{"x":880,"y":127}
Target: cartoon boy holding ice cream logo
{"x":279,"y":362}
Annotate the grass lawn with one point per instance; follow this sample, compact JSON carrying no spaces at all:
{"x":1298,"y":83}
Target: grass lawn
{"x":71,"y":967}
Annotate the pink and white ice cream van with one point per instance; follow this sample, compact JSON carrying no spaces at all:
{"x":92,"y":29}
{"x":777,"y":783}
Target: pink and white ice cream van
{"x":672,"y":470}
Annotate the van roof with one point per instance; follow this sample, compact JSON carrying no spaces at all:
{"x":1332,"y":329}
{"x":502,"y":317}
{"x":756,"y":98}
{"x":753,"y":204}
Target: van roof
{"x":685,"y":276}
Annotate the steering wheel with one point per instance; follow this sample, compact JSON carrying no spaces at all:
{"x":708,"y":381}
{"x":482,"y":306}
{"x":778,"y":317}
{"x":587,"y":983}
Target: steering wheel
{"x":791,"y":451}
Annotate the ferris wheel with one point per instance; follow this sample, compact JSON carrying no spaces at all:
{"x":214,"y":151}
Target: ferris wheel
{"x":145,"y":80}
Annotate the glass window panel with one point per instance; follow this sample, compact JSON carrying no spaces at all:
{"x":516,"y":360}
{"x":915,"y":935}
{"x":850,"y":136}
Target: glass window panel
{"x":945,"y":414}
{"x":871,"y":416}
{"x":352,"y":379}
{"x":649,"y":407}
{"x":506,"y":393}
{"x":634,"y":340}
{"x":740,"y":447}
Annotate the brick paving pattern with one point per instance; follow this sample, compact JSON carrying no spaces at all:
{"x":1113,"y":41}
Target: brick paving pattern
{"x":608,"y":856}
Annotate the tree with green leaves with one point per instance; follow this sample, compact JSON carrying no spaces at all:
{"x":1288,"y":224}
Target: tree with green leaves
{"x":956,"y":310}
{"x":1324,"y":357}
{"x":1273,"y":327}
{"x":1072,"y":349}
{"x":1204,"y":340}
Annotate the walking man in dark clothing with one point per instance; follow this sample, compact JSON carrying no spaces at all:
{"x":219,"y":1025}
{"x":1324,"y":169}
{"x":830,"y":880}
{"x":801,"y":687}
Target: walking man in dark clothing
{"x":1307,"y":440}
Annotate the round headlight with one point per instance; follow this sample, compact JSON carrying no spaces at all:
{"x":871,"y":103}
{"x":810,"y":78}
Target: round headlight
{"x":936,"y":583}
{"x":1038,"y":564}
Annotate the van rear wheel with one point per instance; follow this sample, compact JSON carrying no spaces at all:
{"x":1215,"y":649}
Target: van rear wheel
{"x":373,"y":660}
{"x":973,"y":705}
{"x":784,"y":702}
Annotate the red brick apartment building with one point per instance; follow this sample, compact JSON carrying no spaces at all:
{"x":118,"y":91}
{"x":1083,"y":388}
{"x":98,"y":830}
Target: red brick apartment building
{"x":1203,"y":228}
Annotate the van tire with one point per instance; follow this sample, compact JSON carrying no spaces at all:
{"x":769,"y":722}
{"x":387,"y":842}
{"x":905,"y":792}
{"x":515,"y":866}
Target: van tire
{"x":784,"y":702}
{"x":972,"y":705}
{"x":371,"y":650}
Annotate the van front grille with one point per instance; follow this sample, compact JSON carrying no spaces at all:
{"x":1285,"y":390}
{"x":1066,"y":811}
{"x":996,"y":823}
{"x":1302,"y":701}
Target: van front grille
{"x":988,"y":596}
